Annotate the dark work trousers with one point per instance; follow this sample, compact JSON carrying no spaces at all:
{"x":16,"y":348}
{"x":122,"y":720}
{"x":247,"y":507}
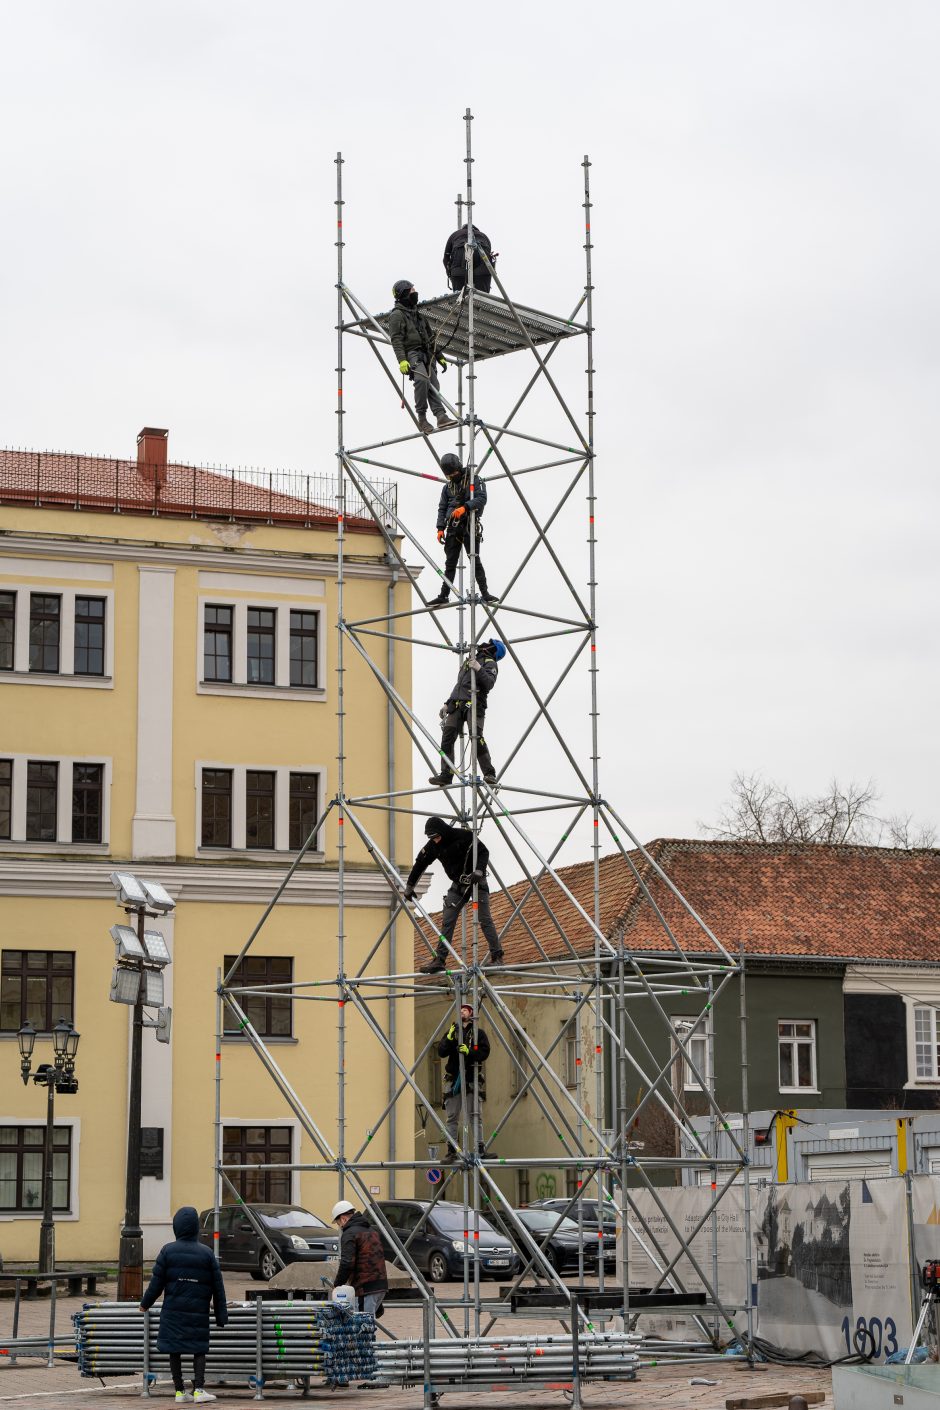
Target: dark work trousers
{"x":199,"y":1369}
{"x":425,"y":389}
{"x":454,"y":722}
{"x":482,"y":279}
{"x":454,"y":541}
{"x":452,"y":1105}
{"x":454,"y":902}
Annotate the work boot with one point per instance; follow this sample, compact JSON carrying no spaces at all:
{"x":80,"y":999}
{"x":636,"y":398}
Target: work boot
{"x":425,"y":426}
{"x":445,"y":422}
{"x":490,"y":779}
{"x":489,"y":600}
{"x":440,"y":601}
{"x":435,"y":966}
{"x":450,"y":1158}
{"x":495,"y":957}
{"x":441,"y":780}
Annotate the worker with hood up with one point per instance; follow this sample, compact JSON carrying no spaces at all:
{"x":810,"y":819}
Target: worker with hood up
{"x":456,"y":712}
{"x":412,"y":340}
{"x":189,"y":1276}
{"x":453,"y":848}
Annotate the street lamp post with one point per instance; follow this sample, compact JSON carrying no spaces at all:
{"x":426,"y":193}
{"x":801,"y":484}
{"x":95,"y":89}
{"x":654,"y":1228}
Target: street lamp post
{"x":137,"y":980}
{"x":55,"y":1077}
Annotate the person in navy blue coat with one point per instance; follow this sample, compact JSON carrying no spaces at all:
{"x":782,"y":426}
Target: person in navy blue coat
{"x":189,"y":1276}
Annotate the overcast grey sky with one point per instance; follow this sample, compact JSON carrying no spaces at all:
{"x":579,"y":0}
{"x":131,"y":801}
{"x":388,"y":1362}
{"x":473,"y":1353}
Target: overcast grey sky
{"x":766,"y":227}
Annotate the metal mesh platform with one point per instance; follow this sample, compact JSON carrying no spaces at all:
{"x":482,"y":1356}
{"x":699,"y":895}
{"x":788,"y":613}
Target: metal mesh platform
{"x":495,"y":330}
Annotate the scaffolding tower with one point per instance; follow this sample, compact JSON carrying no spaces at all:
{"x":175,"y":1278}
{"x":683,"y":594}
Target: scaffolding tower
{"x":539,"y":462}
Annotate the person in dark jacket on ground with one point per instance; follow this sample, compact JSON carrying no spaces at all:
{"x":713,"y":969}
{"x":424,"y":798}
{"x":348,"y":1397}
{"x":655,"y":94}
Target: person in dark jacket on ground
{"x":361,"y":1260}
{"x":453,"y":848}
{"x":456,"y":710}
{"x":412,"y":341}
{"x":455,"y":260}
{"x":458,"y":1047}
{"x":189,"y":1276}
{"x":459,"y":499}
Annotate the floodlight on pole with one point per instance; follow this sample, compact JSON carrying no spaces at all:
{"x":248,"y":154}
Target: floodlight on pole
{"x":125,"y":985}
{"x":130,"y":892}
{"x":153,"y":988}
{"x":126,"y":943}
{"x":158,"y":952}
{"x":158,"y":898}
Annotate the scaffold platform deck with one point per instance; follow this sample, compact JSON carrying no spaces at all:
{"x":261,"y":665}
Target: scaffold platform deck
{"x":496,"y":326}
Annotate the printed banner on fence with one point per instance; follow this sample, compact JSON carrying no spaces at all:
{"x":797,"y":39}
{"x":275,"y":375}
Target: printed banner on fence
{"x":925,"y":1199}
{"x":831,"y":1262}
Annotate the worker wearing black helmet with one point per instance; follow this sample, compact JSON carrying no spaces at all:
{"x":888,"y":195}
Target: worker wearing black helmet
{"x":453,"y":848}
{"x":412,"y":341}
{"x":456,"y":710}
{"x":459,"y":501}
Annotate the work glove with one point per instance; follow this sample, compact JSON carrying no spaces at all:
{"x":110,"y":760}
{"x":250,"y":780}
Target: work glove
{"x":459,"y":512}
{"x":464,"y":1049}
{"x":452,"y":1030}
{"x":477,"y":876}
{"x":473,"y":663}
{"x":404,"y":366}
{"x":440,"y":535}
{"x":409,"y":893}
{"x":442,"y":364}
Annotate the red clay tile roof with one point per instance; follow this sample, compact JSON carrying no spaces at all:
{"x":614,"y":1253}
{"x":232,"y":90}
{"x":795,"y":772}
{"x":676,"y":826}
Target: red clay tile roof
{"x":50,"y":479}
{"x":795,"y":900}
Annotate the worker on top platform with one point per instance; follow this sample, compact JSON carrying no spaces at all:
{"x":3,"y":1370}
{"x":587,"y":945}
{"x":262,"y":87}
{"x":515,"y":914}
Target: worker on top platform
{"x":459,"y":502}
{"x":456,"y":710}
{"x":453,"y":848}
{"x":455,"y":260}
{"x":412,"y":341}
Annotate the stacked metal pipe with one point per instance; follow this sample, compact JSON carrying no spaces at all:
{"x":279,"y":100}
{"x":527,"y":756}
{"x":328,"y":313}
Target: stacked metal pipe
{"x":500,"y":1360}
{"x":261,"y":1340}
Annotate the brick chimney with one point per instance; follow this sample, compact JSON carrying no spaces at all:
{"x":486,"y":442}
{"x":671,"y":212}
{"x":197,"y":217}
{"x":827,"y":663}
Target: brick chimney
{"x":151,"y":453}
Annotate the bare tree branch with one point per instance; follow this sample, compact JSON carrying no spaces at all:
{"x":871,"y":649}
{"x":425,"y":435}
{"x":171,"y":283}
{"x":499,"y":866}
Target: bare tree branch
{"x":761,"y":810}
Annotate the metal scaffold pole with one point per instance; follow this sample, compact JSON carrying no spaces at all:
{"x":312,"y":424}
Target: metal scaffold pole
{"x":601,"y":1072}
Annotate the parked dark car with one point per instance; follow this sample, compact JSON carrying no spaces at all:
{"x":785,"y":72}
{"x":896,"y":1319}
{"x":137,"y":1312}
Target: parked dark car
{"x":298,"y":1236}
{"x":589,"y":1220}
{"x":437,"y":1249}
{"x":564,"y":1243}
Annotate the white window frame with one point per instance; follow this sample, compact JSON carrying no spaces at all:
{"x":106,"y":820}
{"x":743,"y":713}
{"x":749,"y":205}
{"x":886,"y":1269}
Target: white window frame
{"x":699,"y":1047}
{"x":10,"y":1216}
{"x":65,"y":675}
{"x":282,"y":774}
{"x":17,"y":842}
{"x":797,"y":1042}
{"x":570,"y":1042}
{"x":915,"y":1078}
{"x":239,"y":684}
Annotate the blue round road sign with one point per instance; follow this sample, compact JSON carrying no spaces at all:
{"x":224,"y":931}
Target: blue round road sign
{"x":435,"y":1176}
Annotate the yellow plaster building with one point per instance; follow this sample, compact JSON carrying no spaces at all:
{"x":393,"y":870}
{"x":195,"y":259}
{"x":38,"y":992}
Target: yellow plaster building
{"x":168,"y":703}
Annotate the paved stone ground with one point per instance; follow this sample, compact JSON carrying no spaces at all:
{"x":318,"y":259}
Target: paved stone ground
{"x":31,"y":1382}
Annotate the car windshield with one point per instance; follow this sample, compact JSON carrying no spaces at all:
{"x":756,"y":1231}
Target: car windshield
{"x":293,"y":1219}
{"x":452,"y":1221}
{"x":543,"y":1220}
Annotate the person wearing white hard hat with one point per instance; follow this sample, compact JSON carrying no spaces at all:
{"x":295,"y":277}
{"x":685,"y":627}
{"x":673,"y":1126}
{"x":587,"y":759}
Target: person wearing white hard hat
{"x":361,"y":1260}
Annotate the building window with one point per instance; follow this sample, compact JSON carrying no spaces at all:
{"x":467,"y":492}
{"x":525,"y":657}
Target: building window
{"x":270,"y":1014}
{"x":303,"y":648}
{"x":7,"y":629}
{"x":6,"y":798}
{"x":37,"y":985}
{"x":42,"y":788}
{"x":522,"y":1187}
{"x":303,"y":808}
{"x":262,"y":625}
{"x":259,"y":808}
{"x":217,"y":644}
{"x":259,"y":1147}
{"x":44,"y":620}
{"x":926,"y":1043}
{"x":518,"y":1072}
{"x":697,"y":1048}
{"x":89,"y":636}
{"x":796,"y":1042}
{"x":21,"y":1161}
{"x":217,"y":807}
{"x":87,"y":800}
{"x":571,"y":1061}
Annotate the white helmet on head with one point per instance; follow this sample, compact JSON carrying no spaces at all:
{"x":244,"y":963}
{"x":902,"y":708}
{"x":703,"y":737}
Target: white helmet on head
{"x":342,"y":1206}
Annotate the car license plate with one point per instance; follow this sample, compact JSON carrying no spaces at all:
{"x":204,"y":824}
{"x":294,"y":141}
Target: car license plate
{"x":497,"y":1262}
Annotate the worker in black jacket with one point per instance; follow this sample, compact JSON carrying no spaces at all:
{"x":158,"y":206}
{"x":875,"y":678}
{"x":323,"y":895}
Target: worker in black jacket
{"x":189,"y":1276}
{"x":361,"y":1260}
{"x":464,"y":1057}
{"x":458,"y":502}
{"x":453,"y":848}
{"x":457,"y":709}
{"x":455,"y":260}
{"x":412,"y":341}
